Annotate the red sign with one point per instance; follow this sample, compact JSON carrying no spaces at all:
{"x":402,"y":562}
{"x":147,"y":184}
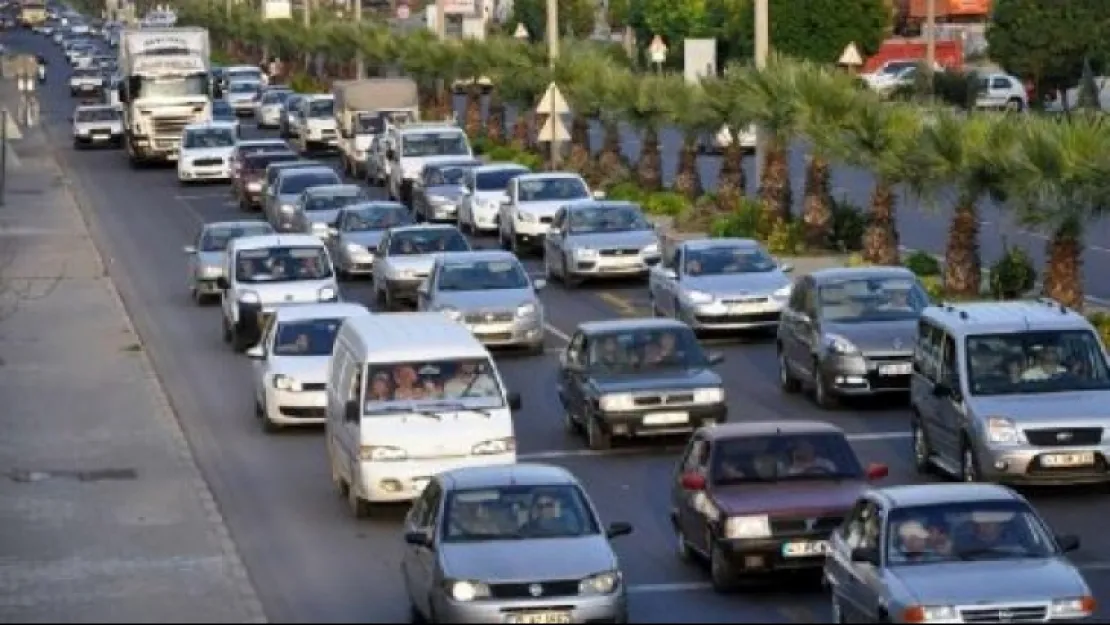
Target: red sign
{"x":950,"y":53}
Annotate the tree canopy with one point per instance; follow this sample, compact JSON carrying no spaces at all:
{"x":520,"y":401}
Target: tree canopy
{"x":576,"y":17}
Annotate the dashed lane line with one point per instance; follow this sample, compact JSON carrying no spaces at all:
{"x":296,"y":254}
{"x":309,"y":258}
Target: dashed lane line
{"x":557,"y":333}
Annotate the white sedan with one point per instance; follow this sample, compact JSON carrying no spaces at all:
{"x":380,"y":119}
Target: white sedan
{"x":206,"y":151}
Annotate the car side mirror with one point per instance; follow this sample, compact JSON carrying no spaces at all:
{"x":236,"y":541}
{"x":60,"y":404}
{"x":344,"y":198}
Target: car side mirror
{"x":514,"y":401}
{"x":465,"y":192}
{"x":714,"y":358}
{"x":189,"y":249}
{"x":618,"y":529}
{"x":222,"y":283}
{"x":693,"y":481}
{"x":866,"y":554}
{"x":942,"y":390}
{"x":256,"y":353}
{"x":1067,"y":542}
{"x":877,"y":471}
{"x":418,"y":538}
{"x":539,"y":284}
{"x":786,"y":268}
{"x":351,"y":411}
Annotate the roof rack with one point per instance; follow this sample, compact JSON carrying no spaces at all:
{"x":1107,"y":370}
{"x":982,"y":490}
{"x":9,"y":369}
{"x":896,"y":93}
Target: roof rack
{"x":1048,"y":301}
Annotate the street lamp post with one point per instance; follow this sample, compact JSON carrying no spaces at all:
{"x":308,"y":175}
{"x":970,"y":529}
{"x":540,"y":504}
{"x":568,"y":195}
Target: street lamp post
{"x":360,"y":69}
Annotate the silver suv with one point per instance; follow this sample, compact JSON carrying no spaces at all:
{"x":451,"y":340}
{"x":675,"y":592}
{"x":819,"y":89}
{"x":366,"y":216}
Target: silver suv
{"x":1012,"y":392}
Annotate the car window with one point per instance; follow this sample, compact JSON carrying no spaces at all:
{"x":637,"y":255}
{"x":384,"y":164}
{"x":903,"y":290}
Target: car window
{"x":927,"y":353}
{"x":282,"y":264}
{"x":216,"y":239}
{"x":784,"y":457}
{"x":438,"y":143}
{"x":98,"y":115}
{"x":310,"y":337}
{"x":470,"y":382}
{"x":321,"y":108}
{"x":427,"y":241}
{"x":376,"y":218}
{"x":243,"y":87}
{"x":517,"y":512}
{"x":482,"y":275}
{"x":637,"y":350}
{"x":259,"y":162}
{"x":722,"y":260}
{"x":296,"y":183}
{"x":330,"y":201}
{"x":1035,"y":362}
{"x":576,"y":350}
{"x":496,"y":180}
{"x":600,"y":219}
{"x":551,"y":189}
{"x":966,"y":531}
{"x":697,"y":456}
{"x":1000,"y":83}
{"x":210,"y":138}
{"x":863,"y":527}
{"x":864,"y":300}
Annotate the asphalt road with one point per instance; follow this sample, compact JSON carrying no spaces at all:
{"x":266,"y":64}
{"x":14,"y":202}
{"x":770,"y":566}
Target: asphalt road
{"x":309,"y":559}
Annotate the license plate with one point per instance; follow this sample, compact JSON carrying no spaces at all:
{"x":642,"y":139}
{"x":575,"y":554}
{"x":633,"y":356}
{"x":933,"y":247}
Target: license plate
{"x":419,"y":485}
{"x":491,"y":329}
{"x":540,"y":617}
{"x":804,"y":549}
{"x":1068,"y":460}
{"x":902,"y":368}
{"x":666,"y":418}
{"x":748,"y":309}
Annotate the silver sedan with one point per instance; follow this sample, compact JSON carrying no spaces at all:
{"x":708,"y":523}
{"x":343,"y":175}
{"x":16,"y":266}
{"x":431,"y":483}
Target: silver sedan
{"x":207,"y":254}
{"x":599,"y":239}
{"x":358,"y":231}
{"x":720,"y":284}
{"x":490,"y":293}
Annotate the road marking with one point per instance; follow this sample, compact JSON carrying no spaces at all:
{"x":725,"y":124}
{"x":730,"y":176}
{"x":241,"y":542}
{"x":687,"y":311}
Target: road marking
{"x":193,"y":198}
{"x":645,"y":589}
{"x":559,"y":334}
{"x":622,"y":305}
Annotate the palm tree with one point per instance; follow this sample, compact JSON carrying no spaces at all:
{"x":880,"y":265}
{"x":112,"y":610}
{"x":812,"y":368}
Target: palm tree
{"x":503,"y":52}
{"x":521,"y":80}
{"x":472,"y":62}
{"x":687,"y":110}
{"x":725,"y":112}
{"x":880,"y":137}
{"x":426,"y":61}
{"x":578,"y":73}
{"x":645,"y":108}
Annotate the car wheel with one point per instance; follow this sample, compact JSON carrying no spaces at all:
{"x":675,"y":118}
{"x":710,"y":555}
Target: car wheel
{"x":821,"y":394}
{"x":360,"y":508}
{"x":548,"y":272}
{"x":969,"y":464}
{"x":787,"y":381}
{"x":569,"y":280}
{"x":570,"y":423}
{"x":921,"y":451}
{"x":1014,"y":105}
{"x":596,"y":438}
{"x":516,"y":247}
{"x":505,"y":242}
{"x":721,"y":575}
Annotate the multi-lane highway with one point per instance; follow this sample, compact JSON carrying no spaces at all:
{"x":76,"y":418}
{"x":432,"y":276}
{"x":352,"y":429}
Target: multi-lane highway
{"x":309,"y":559}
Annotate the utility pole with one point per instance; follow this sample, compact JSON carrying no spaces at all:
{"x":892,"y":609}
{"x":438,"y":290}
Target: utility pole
{"x":762,"y":51}
{"x":441,"y":19}
{"x":360,"y":68}
{"x":306,"y":12}
{"x":552,"y":31}
{"x":930,"y":36}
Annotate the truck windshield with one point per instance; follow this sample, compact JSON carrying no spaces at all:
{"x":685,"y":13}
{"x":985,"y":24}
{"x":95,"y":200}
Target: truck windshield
{"x":171,"y":87}
{"x":321,"y":108}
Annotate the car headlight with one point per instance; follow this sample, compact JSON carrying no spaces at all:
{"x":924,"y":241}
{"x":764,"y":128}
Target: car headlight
{"x":527,"y":218}
{"x":783,"y":294}
{"x":929,"y":614}
{"x":617,"y":402}
{"x":756,"y":526}
{"x":249,"y":297}
{"x":495,"y":446}
{"x":1072,"y":607}
{"x":651,"y":250}
{"x":840,"y":345}
{"x":463,"y":590}
{"x":288,"y":208}
{"x":382,"y":453}
{"x":585,"y":252}
{"x":526,"y":310}
{"x":699,"y":298}
{"x":286,"y":383}
{"x":600,"y":584}
{"x":709,"y":395}
{"x":1003,"y":431}
{"x":452,"y":313}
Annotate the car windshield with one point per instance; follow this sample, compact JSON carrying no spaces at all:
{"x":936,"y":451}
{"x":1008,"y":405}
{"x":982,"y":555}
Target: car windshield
{"x":497,"y":179}
{"x":334,"y":200}
{"x":311,"y":337}
{"x":1036,"y":362}
{"x":292,"y":102}
{"x":482,"y":275}
{"x":639,"y":350}
{"x":98,"y":115}
{"x":243,"y":87}
{"x":367,"y":125}
{"x":275,"y":97}
{"x":244,"y":75}
{"x":552,"y":189}
{"x":471,"y":382}
{"x":222,"y":110}
{"x":446,"y":175}
{"x":596,"y":219}
{"x":86,"y":73}
{"x":217,"y":238}
{"x":282,"y":264}
{"x":780,"y":457}
{"x":321,"y":108}
{"x":517,"y":512}
{"x":210,"y":138}
{"x":966,"y":531}
{"x":294,"y":184}
{"x":863,"y":300}
{"x":259,"y":162}
{"x":427,"y":241}
{"x":445,"y":143}
{"x":717,"y":261}
{"x":376,"y":218}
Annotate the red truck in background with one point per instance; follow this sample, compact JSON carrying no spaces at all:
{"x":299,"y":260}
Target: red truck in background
{"x":911,"y":14}
{"x":950,"y":53}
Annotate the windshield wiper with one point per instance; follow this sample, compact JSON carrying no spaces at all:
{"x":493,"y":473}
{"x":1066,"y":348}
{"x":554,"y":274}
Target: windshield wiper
{"x":971,"y":554}
{"x":409,"y":410}
{"x":458,"y":406}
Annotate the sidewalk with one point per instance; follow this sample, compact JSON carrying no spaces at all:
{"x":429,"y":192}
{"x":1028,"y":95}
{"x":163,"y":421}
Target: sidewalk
{"x":104,"y":516}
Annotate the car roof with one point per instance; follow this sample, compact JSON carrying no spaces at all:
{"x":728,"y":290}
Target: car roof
{"x":519,"y":474}
{"x":411,"y":337}
{"x":426,"y":127}
{"x":642,"y":323}
{"x":741,"y":429}
{"x":247,"y":143}
{"x":1005,"y":317}
{"x":910,"y":495}
{"x":832,"y":274}
{"x":241,"y":68}
{"x":547,"y":175}
{"x":477,"y":255}
{"x":300,"y":312}
{"x":332,"y":188}
{"x":241,"y":223}
{"x":589,"y":203}
{"x":424,"y":226}
{"x":710,"y":243}
{"x":229,"y":125}
{"x":296,"y":164}
{"x":264,"y":241}
{"x":96,"y":107}
{"x":370,"y":204}
{"x":313,"y":169}
{"x":506,"y":166}
{"x":462,"y":162}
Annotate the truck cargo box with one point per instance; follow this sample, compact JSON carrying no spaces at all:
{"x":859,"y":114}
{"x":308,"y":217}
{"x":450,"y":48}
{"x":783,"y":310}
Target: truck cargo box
{"x":949,"y":54}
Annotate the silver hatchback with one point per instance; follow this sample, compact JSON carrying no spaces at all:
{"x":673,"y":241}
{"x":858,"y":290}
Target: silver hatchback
{"x":599,"y":239}
{"x":518,"y":543}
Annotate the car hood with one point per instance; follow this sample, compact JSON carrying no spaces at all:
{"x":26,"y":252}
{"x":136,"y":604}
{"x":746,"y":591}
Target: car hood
{"x":321,"y":216}
{"x":738,"y":284}
{"x":369,"y":239}
{"x":290,"y":292}
{"x":1075,"y":407}
{"x":195,"y":153}
{"x":528,"y":560}
{"x":494,"y":299}
{"x":1001,"y":581}
{"x":789,"y":497}
{"x":211,"y":260}
{"x":661,"y":380}
{"x":98,"y":125}
{"x":420,"y":263}
{"x":311,"y":369}
{"x":601,"y":240}
{"x":878,"y":336}
{"x":485,"y":197}
{"x":448,"y":192}
{"x":543,"y":209}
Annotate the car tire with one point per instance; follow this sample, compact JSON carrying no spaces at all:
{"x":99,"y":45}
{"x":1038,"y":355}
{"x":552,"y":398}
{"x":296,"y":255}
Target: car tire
{"x":821,"y":395}
{"x":969,"y":463}
{"x":360,"y":508}
{"x":787,"y":381}
{"x":721,"y":575}
{"x":1014,"y":105}
{"x":572,"y":426}
{"x":548,"y":273}
{"x":596,"y":438}
{"x":516,"y":247}
{"x":390,"y":304}
{"x":922,"y":451}
{"x":569,"y":281}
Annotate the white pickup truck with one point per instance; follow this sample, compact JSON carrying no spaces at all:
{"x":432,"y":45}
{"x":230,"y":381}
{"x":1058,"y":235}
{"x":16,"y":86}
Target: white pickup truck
{"x":364,"y":108}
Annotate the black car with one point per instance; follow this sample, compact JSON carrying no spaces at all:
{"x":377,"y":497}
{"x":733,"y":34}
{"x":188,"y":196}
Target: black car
{"x":638,"y":377}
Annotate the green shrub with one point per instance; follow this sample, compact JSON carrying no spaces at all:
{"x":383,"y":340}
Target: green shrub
{"x":626,"y":191}
{"x":934,"y":286}
{"x":786,"y":238}
{"x":922,"y":264}
{"x":500,"y":153}
{"x":1012,"y":275}
{"x":743,"y":222}
{"x":481,"y":145}
{"x":665,"y":203}
{"x":303,"y":83}
{"x":849,"y":223}
{"x":1101,"y":322}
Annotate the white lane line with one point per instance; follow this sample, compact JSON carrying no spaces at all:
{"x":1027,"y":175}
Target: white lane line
{"x":557,"y":332}
{"x":197,"y":198}
{"x":644,"y":589}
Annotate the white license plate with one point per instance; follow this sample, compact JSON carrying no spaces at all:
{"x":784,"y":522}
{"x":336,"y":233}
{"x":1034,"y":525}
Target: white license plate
{"x":540,"y":618}
{"x":666,"y":418}
{"x":419,"y":485}
{"x":902,"y":368}
{"x":1083,"y":459}
{"x":748,"y":309}
{"x":804,"y":549}
{"x":491,"y":329}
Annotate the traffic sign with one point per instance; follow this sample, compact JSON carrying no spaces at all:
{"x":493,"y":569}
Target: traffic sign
{"x":521,"y":32}
{"x":402,"y":11}
{"x":554,"y":130}
{"x":850,"y":57}
{"x":553,"y":103}
{"x":658,"y":50}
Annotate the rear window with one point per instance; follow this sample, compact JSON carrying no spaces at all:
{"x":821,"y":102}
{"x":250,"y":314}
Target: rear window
{"x":297,"y":182}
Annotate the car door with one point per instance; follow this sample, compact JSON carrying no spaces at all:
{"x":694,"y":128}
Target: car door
{"x":425,"y":296}
{"x":788,"y":324}
{"x":415,"y":520}
{"x":426,"y":574}
{"x":926,"y":372}
{"x":670,"y":286}
{"x":951,"y":417}
{"x":507,"y":208}
{"x":689,"y":506}
{"x":228,"y":298}
{"x":553,"y":242}
{"x":381,"y":262}
{"x":193,"y":263}
{"x":466,"y":214}
{"x":807,"y":330}
{"x":570,"y":374}
{"x":263,"y":366}
{"x":855,"y":583}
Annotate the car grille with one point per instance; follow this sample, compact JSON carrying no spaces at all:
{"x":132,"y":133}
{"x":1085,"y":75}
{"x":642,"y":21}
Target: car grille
{"x":208,"y":162}
{"x":303,"y":413}
{"x":621,"y":252}
{"x":746,"y":300}
{"x":546,"y":220}
{"x":168,"y":126}
{"x":763,"y":317}
{"x":1064,"y":437}
{"x":1014,"y":614}
{"x":490,"y":317}
{"x":314,"y":386}
{"x":789,"y":526}
{"x":559,"y":588}
{"x":664,"y":400}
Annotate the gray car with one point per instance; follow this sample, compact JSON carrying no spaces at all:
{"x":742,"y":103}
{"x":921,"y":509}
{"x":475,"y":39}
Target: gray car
{"x":242,"y":95}
{"x":268,"y":108}
{"x":97,"y":125}
{"x":720,"y":284}
{"x":952,"y":553}
{"x":358,"y":232}
{"x":318,"y":207}
{"x":490,"y":293}
{"x":599,"y":239}
{"x":282,"y":196}
{"x":519,"y":543}
{"x":437,"y":193}
{"x":207,"y":256}
{"x":850,"y":332}
{"x":405,"y":257}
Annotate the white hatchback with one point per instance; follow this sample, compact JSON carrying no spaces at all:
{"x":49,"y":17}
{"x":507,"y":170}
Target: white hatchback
{"x":206,"y":150}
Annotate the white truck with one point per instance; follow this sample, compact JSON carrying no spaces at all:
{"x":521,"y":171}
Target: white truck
{"x":363,"y":110}
{"x":164,"y":86}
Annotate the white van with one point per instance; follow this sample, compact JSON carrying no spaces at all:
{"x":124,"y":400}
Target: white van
{"x":411,"y":395}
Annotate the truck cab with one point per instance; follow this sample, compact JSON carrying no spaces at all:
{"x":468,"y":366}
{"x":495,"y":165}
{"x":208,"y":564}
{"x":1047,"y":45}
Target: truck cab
{"x":364,"y":109}
{"x":318,"y":130}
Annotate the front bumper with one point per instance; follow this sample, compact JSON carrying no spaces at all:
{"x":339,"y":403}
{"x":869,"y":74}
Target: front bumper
{"x":206,"y":286}
{"x":98,"y":137}
{"x":189,"y":171}
{"x":356,"y":264}
{"x":612,"y":266}
{"x":857,"y":376}
{"x":1029,"y":465}
{"x":85,"y":87}
{"x":655,"y":422}
{"x":403,"y":290}
{"x":768,"y":555}
{"x":720,"y":316}
{"x":519,"y":331}
{"x":318,"y":138}
{"x":485,"y":220}
{"x":296,"y":408}
{"x":612,"y":608}
{"x":404,"y":480}
{"x":242,"y":107}
{"x":443,"y":212}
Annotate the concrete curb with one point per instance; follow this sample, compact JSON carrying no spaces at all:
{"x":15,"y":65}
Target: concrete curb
{"x":245,"y":587}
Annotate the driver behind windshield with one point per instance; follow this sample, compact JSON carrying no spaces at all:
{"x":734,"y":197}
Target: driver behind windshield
{"x":664,"y":350}
{"x":1046,"y":365}
{"x":551,"y":516}
{"x":805,"y":460}
{"x":611,"y":355}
